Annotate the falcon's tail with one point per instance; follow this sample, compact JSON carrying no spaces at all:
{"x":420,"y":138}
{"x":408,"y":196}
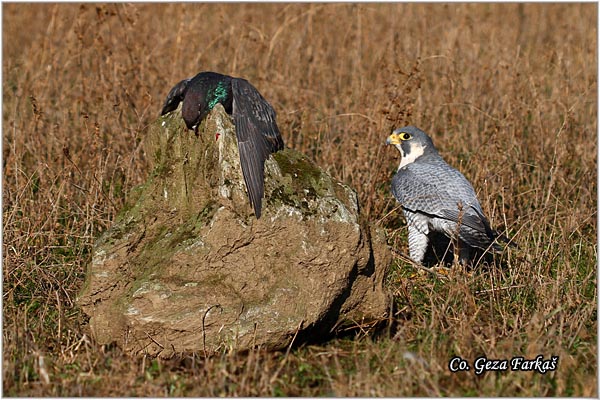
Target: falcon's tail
{"x":494,"y":235}
{"x":499,"y":237}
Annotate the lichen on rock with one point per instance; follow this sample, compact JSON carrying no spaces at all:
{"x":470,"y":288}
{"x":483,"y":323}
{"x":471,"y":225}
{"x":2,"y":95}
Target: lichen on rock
{"x":186,"y":266}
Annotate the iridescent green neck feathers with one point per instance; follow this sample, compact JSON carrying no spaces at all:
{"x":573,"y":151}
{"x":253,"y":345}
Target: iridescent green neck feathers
{"x":217,"y":95}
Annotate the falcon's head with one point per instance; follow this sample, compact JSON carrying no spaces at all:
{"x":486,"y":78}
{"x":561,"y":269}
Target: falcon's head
{"x":412,"y":143}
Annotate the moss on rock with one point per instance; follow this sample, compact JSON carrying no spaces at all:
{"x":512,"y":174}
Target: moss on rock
{"x":186,"y":266}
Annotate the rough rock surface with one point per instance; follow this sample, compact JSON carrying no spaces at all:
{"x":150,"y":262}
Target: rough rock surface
{"x":186,"y":267}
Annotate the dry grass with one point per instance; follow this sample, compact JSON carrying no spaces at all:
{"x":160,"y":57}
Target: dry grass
{"x":508,"y":93}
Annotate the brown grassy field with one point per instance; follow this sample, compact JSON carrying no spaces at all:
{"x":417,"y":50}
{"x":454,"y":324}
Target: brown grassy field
{"x":507,"y":91}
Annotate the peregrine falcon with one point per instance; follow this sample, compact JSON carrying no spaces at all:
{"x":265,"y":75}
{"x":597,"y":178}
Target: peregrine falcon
{"x":437,"y":199}
{"x":254,"y":119}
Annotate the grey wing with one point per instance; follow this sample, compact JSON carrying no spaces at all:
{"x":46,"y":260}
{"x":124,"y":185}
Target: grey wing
{"x":446,"y":194}
{"x":175,"y":96}
{"x":416,"y":194}
{"x":262,"y":117}
{"x":257,"y":137}
{"x":475,"y":229}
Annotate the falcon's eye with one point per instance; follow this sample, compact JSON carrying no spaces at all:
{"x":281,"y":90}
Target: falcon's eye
{"x":405,"y":136}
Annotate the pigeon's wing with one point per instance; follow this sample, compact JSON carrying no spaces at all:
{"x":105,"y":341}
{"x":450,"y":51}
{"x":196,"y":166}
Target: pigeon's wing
{"x":257,"y":136}
{"x":253,"y":106}
{"x":175,"y":96}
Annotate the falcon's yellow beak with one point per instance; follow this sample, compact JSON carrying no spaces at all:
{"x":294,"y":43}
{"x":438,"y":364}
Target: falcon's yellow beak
{"x":394,"y":138}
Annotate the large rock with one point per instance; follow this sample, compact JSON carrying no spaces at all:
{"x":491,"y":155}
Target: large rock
{"x":187,"y":267}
